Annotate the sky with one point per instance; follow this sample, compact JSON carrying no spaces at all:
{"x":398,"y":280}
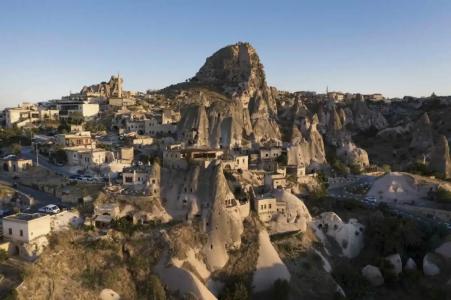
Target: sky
{"x":396,"y":47}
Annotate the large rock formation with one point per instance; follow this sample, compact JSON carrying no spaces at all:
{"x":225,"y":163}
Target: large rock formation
{"x":296,"y":218}
{"x":352,"y":155}
{"x":349,"y":236}
{"x":422,"y":139}
{"x":440,"y":160}
{"x":373,"y":275}
{"x":237,"y":71}
{"x":193,"y":126}
{"x":365,"y":118}
{"x":112,"y":88}
{"x":396,"y":262}
{"x":430,"y":266}
{"x":223,"y":224}
{"x":335,"y":133}
{"x":308,"y":150}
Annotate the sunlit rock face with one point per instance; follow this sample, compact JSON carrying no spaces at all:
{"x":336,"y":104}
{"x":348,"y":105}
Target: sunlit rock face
{"x":237,"y":71}
{"x":308,"y":147}
{"x":440,"y":160}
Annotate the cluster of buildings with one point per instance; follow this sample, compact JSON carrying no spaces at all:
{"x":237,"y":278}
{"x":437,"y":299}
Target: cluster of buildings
{"x":117,"y":154}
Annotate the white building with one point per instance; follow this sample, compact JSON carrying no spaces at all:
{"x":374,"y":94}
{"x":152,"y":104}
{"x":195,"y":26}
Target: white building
{"x":25,"y":227}
{"x":86,"y":110}
{"x":270,"y":153}
{"x":275,"y":181}
{"x":25,"y":115}
{"x":239,"y":162}
{"x":14,"y":164}
{"x":266,"y":207}
{"x":86,"y":158}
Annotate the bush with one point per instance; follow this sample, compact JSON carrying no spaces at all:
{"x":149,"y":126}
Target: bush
{"x":443,"y":195}
{"x":280,"y":289}
{"x":235,"y":291}
{"x":3,"y":255}
{"x":155,"y":289}
{"x":350,"y":279}
{"x":386,"y":168}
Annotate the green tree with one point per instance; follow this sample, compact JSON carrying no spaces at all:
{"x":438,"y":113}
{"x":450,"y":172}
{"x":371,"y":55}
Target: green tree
{"x":16,"y":149}
{"x":59,"y":156}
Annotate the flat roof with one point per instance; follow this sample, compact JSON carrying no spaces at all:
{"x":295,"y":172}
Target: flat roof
{"x":24,"y":217}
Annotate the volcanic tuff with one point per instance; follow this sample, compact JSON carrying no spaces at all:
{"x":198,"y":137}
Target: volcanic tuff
{"x":422,"y":139}
{"x":365,"y":118}
{"x":248,"y":111}
{"x":308,"y":151}
{"x":440,"y":160}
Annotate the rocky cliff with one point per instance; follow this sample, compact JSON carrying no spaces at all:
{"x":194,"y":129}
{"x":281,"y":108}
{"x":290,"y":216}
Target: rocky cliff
{"x":247,"y":109}
{"x":440,"y":160}
{"x":422,"y":139}
{"x":309,"y":150}
{"x":365,"y":118}
{"x":112,"y":88}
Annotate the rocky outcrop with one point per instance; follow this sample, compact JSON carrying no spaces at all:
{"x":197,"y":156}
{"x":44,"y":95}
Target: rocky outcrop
{"x":109,"y":294}
{"x":422,"y":139}
{"x":296,"y":216}
{"x":394,"y":133}
{"x":373,"y":275}
{"x":193,"y":126}
{"x":444,"y":250}
{"x":349,"y":236}
{"x":237,"y":71}
{"x":112,"y":88}
{"x":223,"y":225}
{"x":440,"y":159}
{"x":335,"y":133}
{"x":351,"y":155}
{"x":430,"y":267}
{"x":396,"y":263}
{"x":309,"y":150}
{"x":365,"y":118}
{"x":270,"y":267}
{"x":410,"y":265}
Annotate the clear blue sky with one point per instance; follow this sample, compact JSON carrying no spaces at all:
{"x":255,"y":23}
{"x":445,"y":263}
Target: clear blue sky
{"x":48,"y":48}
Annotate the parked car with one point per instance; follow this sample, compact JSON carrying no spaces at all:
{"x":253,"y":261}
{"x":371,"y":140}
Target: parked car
{"x":370,"y":199}
{"x":49,"y":209}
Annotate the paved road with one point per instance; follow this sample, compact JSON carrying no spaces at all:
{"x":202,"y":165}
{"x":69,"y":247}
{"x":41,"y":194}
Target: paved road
{"x":44,"y":162}
{"x":340,"y":190}
{"x":41,"y":198}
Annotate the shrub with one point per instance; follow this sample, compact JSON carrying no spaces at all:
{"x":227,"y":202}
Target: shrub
{"x":235,"y":291}
{"x":3,"y":255}
{"x":443,"y":195}
{"x":350,"y":279}
{"x":280,"y":289}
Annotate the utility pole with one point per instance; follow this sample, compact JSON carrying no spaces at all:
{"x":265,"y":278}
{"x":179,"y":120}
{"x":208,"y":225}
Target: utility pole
{"x":37,"y":156}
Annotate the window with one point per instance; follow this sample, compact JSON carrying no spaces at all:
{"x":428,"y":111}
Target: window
{"x":21,"y":232}
{"x":10,"y":231}
{"x":269,"y":206}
